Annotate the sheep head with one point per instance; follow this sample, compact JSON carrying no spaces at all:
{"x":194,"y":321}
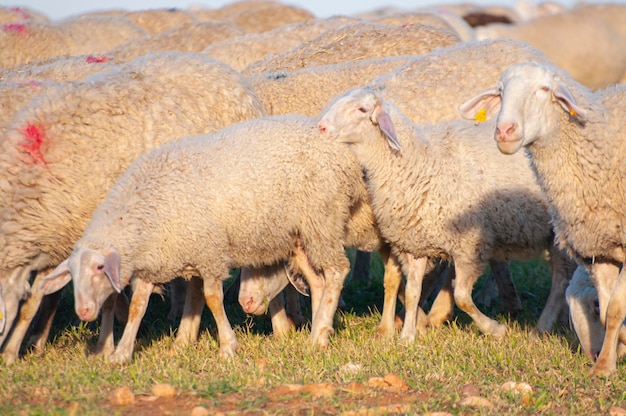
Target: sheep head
{"x":524,"y":96}
{"x":348,"y":118}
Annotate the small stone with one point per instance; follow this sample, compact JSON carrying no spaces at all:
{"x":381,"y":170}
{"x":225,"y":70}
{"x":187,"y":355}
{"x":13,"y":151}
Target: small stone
{"x":319,"y":390}
{"x":122,"y":396}
{"x":475,"y":401}
{"x":396,"y":382}
{"x":163,"y":390}
{"x":617,"y":411}
{"x":200,"y":411}
{"x":469,"y":390}
{"x":284,"y":390}
{"x":377,"y":383}
{"x":355,"y":388}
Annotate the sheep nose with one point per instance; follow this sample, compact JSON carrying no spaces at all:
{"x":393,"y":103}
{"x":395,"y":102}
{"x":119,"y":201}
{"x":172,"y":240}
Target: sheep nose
{"x":85,"y":313}
{"x":505,"y":131}
{"x":321,"y":128}
{"x":246,"y":304}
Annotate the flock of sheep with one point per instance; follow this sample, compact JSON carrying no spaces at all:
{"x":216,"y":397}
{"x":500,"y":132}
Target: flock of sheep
{"x":143,"y":146}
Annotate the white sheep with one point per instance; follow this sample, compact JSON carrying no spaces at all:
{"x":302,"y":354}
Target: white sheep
{"x":588,"y":41}
{"x":438,"y":191}
{"x":200,"y":227}
{"x":14,"y":14}
{"x":105,"y":122}
{"x":575,"y":141}
{"x":255,"y":16}
{"x":187,"y":37}
{"x":158,"y":20}
{"x":356,"y":42}
{"x":241,"y":51}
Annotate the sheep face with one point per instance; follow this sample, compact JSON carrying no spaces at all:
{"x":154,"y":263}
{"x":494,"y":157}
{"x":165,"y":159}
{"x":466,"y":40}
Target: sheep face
{"x":259,"y":286}
{"x":95,"y":277}
{"x":351,"y":116}
{"x":525,"y":97}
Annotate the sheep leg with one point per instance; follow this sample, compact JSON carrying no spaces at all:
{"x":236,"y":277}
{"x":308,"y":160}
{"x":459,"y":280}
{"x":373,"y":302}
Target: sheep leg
{"x":466,"y":276}
{"x":442,"y":308}
{"x":178,"y":290}
{"x":292,"y":305}
{"x":604,"y":276}
{"x":315,"y":280}
{"x":138,"y":305}
{"x":280,"y":321}
{"x":322,"y":324}
{"x":27,"y":312}
{"x":509,"y":299}
{"x":616,"y":312}
{"x":414,"y":268}
{"x":562,"y":270}
{"x":106,"y":344}
{"x":192,"y":313}
{"x":214,"y":297}
{"x":392,"y":280}
{"x":37,"y":340}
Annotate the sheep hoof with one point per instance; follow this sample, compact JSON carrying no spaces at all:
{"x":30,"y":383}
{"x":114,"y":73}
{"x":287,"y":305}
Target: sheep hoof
{"x":229,"y":351}
{"x":499,"y":331}
{"x":385,"y":332}
{"x":602,"y":369}
{"x":119,"y":357}
{"x":322,"y":339}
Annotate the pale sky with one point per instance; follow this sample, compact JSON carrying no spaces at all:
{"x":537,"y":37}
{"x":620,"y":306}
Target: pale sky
{"x":58,"y":9}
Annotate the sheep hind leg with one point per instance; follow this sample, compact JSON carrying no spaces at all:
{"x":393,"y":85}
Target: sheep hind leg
{"x":392,"y":280}
{"x":616,"y":312}
{"x":27,"y":312}
{"x":466,"y":276}
{"x":562,"y":268}
{"x":281,"y":325}
{"x":189,"y":326}
{"x":138,"y":305}
{"x":442,"y":308}
{"x":38,"y":338}
{"x":106,"y":344}
{"x":214,"y":297}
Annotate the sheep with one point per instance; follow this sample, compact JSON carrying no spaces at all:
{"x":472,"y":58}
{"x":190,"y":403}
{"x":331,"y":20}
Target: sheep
{"x":15,"y":96}
{"x":20,"y":14}
{"x":574,"y":141}
{"x":32,"y":40}
{"x":60,"y":68}
{"x":199,"y":227}
{"x":104,"y":122}
{"x":241,"y":51}
{"x":416,"y":85}
{"x":464,"y":202}
{"x":256,"y":16}
{"x":155,"y":21}
{"x":357,"y":42}
{"x":187,"y":37}
{"x":588,"y":41}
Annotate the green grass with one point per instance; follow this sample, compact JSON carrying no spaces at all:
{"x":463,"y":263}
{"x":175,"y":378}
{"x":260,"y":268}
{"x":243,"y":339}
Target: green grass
{"x":67,"y":380}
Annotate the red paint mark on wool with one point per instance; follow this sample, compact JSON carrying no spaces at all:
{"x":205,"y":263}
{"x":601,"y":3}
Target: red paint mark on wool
{"x":21,"y":12}
{"x":92,"y":59}
{"x":18,"y":28}
{"x":32,"y":83}
{"x":34,"y":136}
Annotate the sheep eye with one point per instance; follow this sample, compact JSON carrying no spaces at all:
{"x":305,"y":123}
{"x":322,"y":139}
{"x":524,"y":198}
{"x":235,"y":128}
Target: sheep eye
{"x":100,"y":267}
{"x":544,"y":89}
{"x":363,"y":110}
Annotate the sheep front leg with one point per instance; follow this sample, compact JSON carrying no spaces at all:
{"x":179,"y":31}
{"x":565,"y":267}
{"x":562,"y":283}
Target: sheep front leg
{"x":616,"y":312}
{"x":106,"y":343}
{"x":214,"y":297}
{"x":604,"y":275}
{"x":391,"y":281}
{"x":138,"y":305}
{"x":414,"y":268}
{"x":466,"y":276}
{"x":280,"y":321}
{"x":39,"y":337}
{"x":192,"y":313}
{"x":322,"y":325}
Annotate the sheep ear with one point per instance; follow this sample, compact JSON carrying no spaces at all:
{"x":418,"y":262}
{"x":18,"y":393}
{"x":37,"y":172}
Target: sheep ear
{"x":568,"y":102}
{"x":482,"y":106}
{"x":56,"y":280}
{"x":112,"y":269}
{"x":297,"y":280}
{"x":381,"y":117}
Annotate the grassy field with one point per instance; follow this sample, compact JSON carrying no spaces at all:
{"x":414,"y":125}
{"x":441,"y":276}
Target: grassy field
{"x":452,"y":369}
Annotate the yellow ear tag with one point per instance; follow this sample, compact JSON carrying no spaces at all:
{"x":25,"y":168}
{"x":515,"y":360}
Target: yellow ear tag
{"x":481,"y":116}
{"x":572,"y":112}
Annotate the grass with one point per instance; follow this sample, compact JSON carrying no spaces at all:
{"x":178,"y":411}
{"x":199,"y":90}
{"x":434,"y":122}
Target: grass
{"x":438,"y":368}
